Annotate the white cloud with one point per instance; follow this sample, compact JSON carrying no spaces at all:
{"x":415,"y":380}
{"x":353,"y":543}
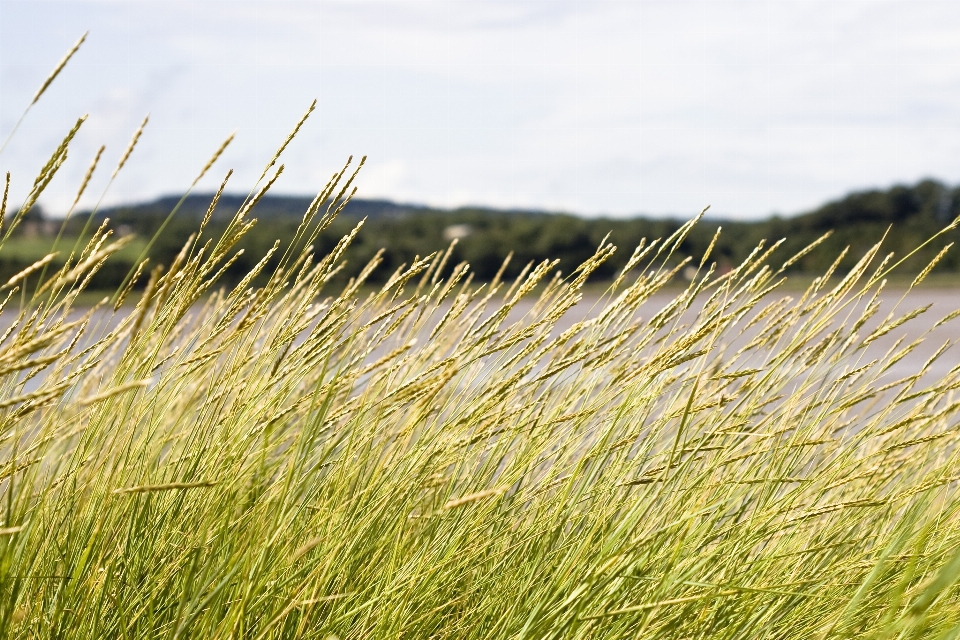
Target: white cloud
{"x":606,"y":106}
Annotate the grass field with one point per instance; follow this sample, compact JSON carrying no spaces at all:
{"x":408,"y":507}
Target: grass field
{"x":291,"y":462}
{"x":36,"y":247}
{"x":422,"y":459}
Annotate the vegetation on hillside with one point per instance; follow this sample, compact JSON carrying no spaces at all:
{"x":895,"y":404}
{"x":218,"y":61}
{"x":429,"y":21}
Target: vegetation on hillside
{"x":486,"y":236}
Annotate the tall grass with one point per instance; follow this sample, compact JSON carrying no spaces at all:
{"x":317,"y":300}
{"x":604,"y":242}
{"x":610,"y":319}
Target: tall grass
{"x":439,"y":458}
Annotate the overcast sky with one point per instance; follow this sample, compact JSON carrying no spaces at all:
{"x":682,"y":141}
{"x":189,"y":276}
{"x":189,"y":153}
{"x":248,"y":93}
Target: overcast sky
{"x":590,"y":106}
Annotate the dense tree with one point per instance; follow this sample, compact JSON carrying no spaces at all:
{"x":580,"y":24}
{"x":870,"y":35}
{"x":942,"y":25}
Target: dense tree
{"x":486,"y":236}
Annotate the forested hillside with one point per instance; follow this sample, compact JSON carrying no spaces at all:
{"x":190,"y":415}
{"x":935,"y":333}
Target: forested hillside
{"x":486,"y":236}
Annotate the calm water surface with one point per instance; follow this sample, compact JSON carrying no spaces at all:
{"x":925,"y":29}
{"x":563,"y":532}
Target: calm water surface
{"x":942,"y":302}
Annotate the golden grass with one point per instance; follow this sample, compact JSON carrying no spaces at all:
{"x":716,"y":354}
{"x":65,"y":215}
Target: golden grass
{"x":440,"y":458}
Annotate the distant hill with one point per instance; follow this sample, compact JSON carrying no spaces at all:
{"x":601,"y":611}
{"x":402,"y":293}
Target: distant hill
{"x":278,"y":206}
{"x":270,"y":206}
{"x":928,"y":199}
{"x":486,"y":236}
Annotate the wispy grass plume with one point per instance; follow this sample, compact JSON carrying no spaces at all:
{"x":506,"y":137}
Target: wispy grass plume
{"x":443,"y":458}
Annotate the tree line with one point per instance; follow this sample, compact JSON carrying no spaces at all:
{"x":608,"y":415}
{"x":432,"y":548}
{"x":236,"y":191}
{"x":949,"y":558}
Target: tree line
{"x":906,"y":214}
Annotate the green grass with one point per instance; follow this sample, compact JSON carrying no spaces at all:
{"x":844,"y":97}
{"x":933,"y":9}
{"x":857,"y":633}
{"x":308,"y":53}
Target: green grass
{"x":422,"y":460}
{"x":33,"y":248}
{"x":288,"y":462}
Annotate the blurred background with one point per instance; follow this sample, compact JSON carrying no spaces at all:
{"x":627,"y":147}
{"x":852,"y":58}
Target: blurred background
{"x":531,"y":125}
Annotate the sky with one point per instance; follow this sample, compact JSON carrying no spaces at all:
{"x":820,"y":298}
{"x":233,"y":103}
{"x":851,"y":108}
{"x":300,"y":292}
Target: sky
{"x":596,"y":107}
